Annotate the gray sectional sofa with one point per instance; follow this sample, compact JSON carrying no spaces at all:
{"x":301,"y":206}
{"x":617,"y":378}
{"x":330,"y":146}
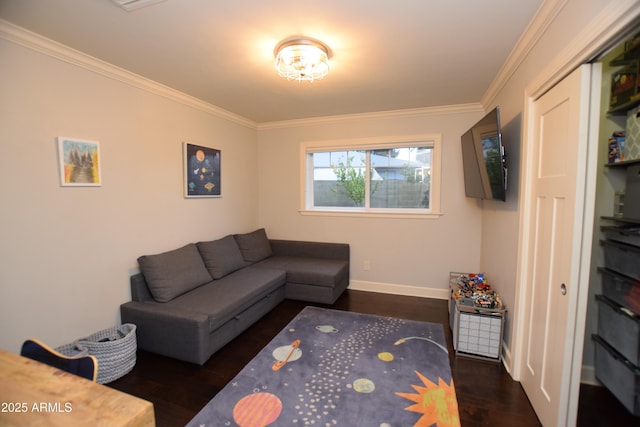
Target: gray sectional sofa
{"x":189,"y":302}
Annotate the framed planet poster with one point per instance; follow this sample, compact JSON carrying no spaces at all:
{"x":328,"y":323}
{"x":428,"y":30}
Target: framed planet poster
{"x":201,"y":171}
{"x":79,"y":162}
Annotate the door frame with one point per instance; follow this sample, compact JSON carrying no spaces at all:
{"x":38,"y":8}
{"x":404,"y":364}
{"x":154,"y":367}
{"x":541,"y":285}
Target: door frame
{"x":608,"y":28}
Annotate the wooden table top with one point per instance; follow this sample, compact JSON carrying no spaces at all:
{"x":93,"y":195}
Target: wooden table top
{"x":35,"y":394}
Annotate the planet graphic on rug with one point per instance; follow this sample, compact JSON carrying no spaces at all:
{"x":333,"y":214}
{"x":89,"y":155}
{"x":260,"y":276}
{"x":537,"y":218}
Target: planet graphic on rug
{"x":286,"y":354}
{"x":327,"y":329}
{"x":364,"y":385}
{"x":385,"y":356}
{"x":257,"y":410}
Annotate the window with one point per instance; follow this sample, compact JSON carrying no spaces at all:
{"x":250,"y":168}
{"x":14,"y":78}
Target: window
{"x":372,"y":176}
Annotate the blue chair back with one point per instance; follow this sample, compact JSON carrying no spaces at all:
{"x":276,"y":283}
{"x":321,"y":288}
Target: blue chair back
{"x":83,"y":366}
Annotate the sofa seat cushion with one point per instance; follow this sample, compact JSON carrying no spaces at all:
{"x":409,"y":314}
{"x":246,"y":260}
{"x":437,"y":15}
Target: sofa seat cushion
{"x":225,"y":298}
{"x":309,"y":271}
{"x":174,"y":273}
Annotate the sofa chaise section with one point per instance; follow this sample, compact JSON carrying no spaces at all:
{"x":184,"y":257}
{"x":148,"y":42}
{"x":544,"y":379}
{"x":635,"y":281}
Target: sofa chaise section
{"x":316,"y":271}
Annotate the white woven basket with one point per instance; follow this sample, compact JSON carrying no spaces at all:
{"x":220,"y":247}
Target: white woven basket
{"x":115,"y":349}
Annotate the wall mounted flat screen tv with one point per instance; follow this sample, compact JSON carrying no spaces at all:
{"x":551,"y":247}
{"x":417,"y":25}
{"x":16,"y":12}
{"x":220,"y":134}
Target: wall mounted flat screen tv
{"x":483,"y":159}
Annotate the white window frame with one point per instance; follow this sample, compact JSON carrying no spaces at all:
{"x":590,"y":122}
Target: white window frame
{"x":433,"y":141}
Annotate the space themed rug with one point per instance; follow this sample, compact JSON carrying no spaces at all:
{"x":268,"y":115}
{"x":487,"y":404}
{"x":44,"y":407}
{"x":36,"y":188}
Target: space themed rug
{"x":337,"y":368}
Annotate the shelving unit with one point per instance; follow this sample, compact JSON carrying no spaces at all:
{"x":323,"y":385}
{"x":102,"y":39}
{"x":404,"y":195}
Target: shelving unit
{"x":621,"y":110}
{"x":617,"y":342}
{"x":621,"y":220}
{"x":623,"y":164}
{"x":618,"y":337}
{"x":630,"y":59}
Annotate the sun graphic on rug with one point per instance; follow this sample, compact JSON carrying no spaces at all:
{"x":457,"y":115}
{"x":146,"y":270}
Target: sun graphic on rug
{"x":437,"y":402}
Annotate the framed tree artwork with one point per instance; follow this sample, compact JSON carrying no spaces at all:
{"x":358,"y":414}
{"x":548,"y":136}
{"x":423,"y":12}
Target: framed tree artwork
{"x":202,"y":176}
{"x":79,"y":162}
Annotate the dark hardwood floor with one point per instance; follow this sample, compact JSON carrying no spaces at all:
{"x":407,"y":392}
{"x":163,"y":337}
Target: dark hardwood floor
{"x":487,"y":396}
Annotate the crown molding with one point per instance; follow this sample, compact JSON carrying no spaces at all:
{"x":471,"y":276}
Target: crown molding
{"x":41,"y":44}
{"x":609,"y":27}
{"x":595,"y":37}
{"x":412,"y":112}
{"x":536,"y":28}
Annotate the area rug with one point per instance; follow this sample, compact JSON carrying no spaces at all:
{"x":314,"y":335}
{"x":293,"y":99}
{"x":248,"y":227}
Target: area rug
{"x":335,"y":368}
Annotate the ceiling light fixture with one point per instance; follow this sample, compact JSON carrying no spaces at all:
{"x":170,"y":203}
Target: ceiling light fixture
{"x":302,"y":59}
{"x":130,"y":5}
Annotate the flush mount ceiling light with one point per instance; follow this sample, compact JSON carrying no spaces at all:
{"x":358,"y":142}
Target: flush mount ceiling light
{"x":302,"y":59}
{"x":130,"y":5}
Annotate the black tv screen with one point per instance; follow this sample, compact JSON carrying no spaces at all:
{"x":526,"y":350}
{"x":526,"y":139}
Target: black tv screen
{"x":483,"y":159}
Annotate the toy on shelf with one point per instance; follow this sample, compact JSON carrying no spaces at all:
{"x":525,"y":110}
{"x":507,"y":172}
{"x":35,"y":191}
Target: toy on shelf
{"x":471,"y":289}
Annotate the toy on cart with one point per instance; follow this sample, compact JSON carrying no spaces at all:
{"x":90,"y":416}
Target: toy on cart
{"x":476,"y":317}
{"x":471,"y":289}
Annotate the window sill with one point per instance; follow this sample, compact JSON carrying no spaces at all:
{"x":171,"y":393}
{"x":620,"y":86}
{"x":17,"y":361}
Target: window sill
{"x":370,"y":214}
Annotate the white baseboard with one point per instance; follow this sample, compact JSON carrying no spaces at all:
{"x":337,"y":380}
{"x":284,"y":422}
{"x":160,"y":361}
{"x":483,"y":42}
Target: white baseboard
{"x":506,"y":359}
{"x":392,"y":288}
{"x":588,"y":376}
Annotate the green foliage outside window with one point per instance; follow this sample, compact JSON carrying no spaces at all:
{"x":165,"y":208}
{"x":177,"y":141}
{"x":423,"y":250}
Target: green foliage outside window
{"x":352,"y":180}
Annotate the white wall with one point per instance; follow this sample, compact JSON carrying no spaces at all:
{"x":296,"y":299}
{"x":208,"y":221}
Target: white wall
{"x":563,"y":40}
{"x":66,"y":253}
{"x":499,"y":249}
{"x":409,"y":256}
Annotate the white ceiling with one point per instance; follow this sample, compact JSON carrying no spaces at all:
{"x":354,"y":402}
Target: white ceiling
{"x":387,"y":54}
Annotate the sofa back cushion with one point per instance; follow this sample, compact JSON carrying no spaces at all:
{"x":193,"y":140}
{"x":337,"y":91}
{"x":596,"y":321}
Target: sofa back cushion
{"x":221,"y":256}
{"x":173,"y":273}
{"x":254,"y":246}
